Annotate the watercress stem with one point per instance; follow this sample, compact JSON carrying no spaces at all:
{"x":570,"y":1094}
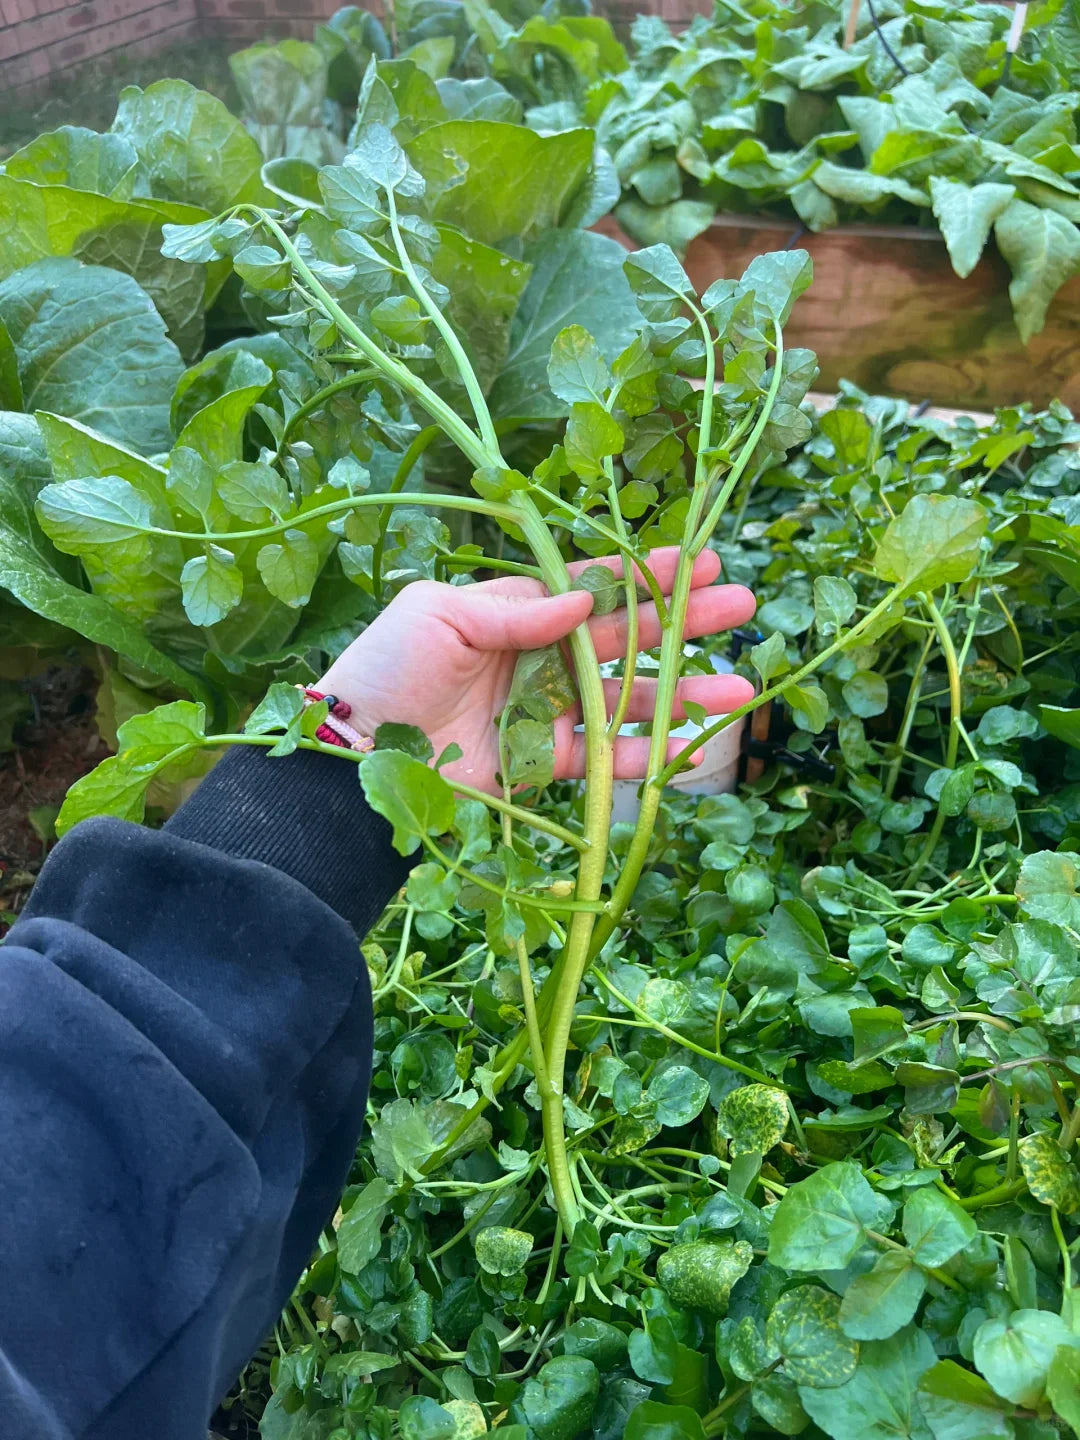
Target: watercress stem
{"x":952,"y":665}
{"x":446,"y":330}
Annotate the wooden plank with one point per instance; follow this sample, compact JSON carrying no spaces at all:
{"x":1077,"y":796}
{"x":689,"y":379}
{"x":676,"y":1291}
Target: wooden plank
{"x":887,"y":311}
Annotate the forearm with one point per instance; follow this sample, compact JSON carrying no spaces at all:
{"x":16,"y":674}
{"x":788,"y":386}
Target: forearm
{"x":185,"y":1044}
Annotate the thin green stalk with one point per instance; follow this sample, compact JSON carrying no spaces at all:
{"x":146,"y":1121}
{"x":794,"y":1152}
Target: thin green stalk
{"x":712,"y":519}
{"x":867,"y":622}
{"x":471,"y":445}
{"x":319,"y":399}
{"x":952,"y":665}
{"x":446,"y":330}
{"x":597,"y":822}
{"x":910,"y":705}
{"x":335,"y":507}
{"x":658,"y":1025}
{"x":417,"y":447}
{"x":530,"y":818}
{"x":653,"y":788}
{"x":626,"y":689}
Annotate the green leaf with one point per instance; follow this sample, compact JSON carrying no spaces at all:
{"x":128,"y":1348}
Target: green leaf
{"x":1048,"y":887}
{"x":679,"y":1095}
{"x":769,"y":658}
{"x":1050,"y":1173}
{"x":542,"y":684}
{"x":965,"y":214}
{"x":934,"y":540}
{"x":804,"y":1328}
{"x":485,"y":287}
{"x":776,"y":1399}
{"x":809,"y":705}
{"x":701,"y":1273}
{"x":880,"y":1401}
{"x":1015,"y":1354}
{"x":577,"y":371}
{"x":884,"y":1299}
{"x":822,"y":1221}
{"x":866,"y":694}
{"x":254,"y":493}
{"x":960,"y":1406}
{"x":603,"y":585}
{"x":777,"y":280}
{"x":500,"y":182}
{"x":407,"y":738}
{"x":653,"y":1421}
{"x":80,"y":515}
{"x":1063,"y":724}
{"x":79,"y":158}
{"x":500,"y":1251}
{"x":400,"y":319}
{"x":591,"y":436}
{"x":660,"y":283}
{"x":359,"y":1236}
{"x":834,"y":603}
{"x":261,"y":267}
{"x":91,"y":346}
{"x":40,"y":577}
{"x":935,"y":1227}
{"x":577,"y":277}
{"x":289,"y":570}
{"x":118,"y":786}
{"x":422,"y":1418}
{"x":211,"y":585}
{"x":1063,"y":1384}
{"x":415,"y":799}
{"x":190,"y":147}
{"x":754,"y":1118}
{"x":1042,"y":249}
{"x":558,"y":1402}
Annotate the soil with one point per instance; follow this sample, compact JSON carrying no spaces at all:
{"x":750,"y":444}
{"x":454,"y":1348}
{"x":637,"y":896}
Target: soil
{"x":53,"y":748}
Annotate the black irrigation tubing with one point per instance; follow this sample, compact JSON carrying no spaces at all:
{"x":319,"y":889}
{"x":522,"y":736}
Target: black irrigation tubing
{"x":885,"y":44}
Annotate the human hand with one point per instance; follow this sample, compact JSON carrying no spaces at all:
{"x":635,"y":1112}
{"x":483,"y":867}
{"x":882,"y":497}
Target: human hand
{"x":442,"y":657}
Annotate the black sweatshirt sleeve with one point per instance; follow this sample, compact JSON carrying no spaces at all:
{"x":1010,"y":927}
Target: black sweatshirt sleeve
{"x":185,"y":1051}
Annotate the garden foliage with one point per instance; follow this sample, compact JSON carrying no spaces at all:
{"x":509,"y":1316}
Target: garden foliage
{"x":757,"y":1116}
{"x":924,"y":119}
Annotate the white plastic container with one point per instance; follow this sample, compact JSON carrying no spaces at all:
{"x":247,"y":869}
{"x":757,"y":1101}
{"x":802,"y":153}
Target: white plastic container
{"x":718,"y":772}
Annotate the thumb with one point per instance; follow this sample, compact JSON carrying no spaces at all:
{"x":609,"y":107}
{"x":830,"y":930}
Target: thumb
{"x":489,"y":621}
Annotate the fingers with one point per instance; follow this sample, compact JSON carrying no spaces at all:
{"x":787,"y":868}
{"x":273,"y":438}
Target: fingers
{"x":631,"y":755}
{"x":489,"y":620}
{"x":717,"y":694}
{"x":712,"y":608}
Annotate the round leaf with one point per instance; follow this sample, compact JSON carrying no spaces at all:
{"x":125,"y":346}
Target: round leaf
{"x":754,"y":1118}
{"x":700,"y":1274}
{"x":501,"y":1251}
{"x":804,"y":1328}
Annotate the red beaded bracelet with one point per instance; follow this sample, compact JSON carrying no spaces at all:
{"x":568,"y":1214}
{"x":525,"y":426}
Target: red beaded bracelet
{"x":335,"y":729}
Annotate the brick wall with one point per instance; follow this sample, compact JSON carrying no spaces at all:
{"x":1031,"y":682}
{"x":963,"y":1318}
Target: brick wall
{"x":41,"y":39}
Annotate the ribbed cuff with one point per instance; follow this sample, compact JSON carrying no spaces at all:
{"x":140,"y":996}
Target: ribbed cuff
{"x":305,"y":814}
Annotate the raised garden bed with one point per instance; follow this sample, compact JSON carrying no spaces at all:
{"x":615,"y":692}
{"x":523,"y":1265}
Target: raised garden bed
{"x":887,"y":311}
